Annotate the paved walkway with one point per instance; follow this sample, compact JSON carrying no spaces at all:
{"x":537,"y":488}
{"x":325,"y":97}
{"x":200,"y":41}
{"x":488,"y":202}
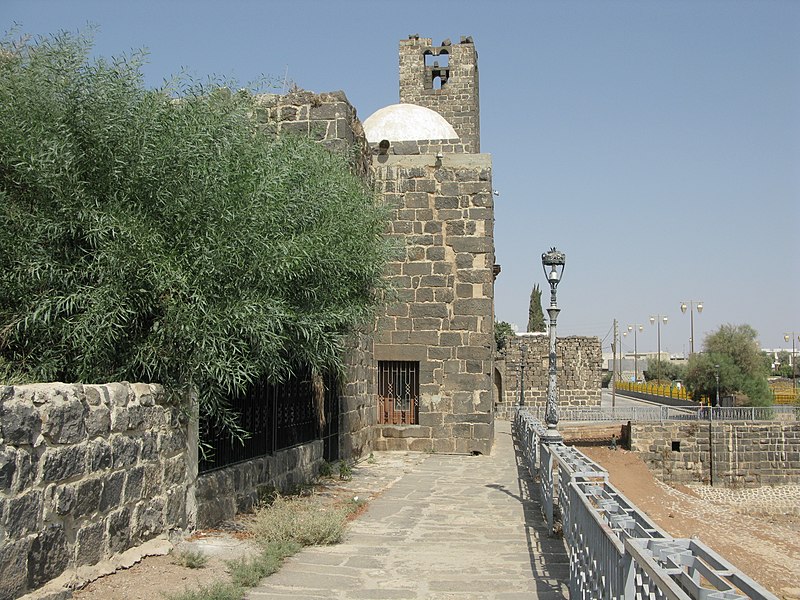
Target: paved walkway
{"x":452,"y":527}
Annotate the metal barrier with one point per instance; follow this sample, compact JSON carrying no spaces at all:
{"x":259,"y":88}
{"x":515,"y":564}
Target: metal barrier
{"x":671,"y":413}
{"x":615,"y":550}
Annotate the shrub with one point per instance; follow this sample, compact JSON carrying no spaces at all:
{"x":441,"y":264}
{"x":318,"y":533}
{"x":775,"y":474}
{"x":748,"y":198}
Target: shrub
{"x":153,"y":239}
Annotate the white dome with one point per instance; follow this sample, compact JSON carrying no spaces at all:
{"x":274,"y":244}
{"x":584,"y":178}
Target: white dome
{"x":407,"y":122}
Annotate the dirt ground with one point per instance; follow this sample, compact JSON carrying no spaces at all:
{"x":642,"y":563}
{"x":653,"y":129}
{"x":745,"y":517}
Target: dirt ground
{"x":765,"y":547}
{"x":764,"y":544}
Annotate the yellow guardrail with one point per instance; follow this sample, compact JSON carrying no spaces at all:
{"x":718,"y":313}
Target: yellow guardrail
{"x":786,"y":397}
{"x":656,"y":389}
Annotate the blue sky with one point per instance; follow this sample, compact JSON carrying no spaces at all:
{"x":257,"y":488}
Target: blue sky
{"x":656,"y":143}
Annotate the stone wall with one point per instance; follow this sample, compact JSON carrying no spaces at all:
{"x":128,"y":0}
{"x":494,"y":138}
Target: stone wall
{"x":434,"y":147}
{"x":358,"y":412}
{"x":442,"y":218}
{"x":224,"y":493}
{"x":579,"y":369}
{"x":458,"y":100}
{"x":743,"y":454}
{"x":328,"y":118}
{"x":86,"y":471}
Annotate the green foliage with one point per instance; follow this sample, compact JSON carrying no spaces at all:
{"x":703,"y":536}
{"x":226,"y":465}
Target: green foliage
{"x":154,"y":239}
{"x":216,"y":591}
{"x":502,"y":330}
{"x":664,"y":370}
{"x":741,"y":368}
{"x":535,"y":314}
{"x":345,"y":471}
{"x":193,"y":559}
{"x":249,"y":571}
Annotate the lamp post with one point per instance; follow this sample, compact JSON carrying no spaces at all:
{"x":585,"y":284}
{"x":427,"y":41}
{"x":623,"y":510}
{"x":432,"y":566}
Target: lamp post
{"x":657,"y":320}
{"x":716,"y":376}
{"x":635,"y":328}
{"x":786,"y":337}
{"x":691,"y":306}
{"x":553,"y":264}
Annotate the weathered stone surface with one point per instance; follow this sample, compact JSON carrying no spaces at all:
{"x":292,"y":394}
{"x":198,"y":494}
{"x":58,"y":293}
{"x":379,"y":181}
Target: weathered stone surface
{"x":48,"y":556}
{"x":20,"y":422}
{"x":63,"y":420}
{"x":147,"y":520}
{"x":99,"y":455}
{"x":89,"y":544}
{"x":8,"y":466}
{"x":124,"y":451}
{"x":14,"y":567}
{"x":98,"y":421}
{"x":63,"y":462}
{"x":111,"y":495}
{"x":118,"y":530}
{"x":23,"y":514}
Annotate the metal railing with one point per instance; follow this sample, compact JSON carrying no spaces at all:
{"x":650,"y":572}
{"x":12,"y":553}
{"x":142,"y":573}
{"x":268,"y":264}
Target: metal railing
{"x":671,"y":413}
{"x":615,"y":550}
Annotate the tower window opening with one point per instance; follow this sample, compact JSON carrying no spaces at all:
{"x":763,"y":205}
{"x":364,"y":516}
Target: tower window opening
{"x":437,"y":82}
{"x":441,"y":60}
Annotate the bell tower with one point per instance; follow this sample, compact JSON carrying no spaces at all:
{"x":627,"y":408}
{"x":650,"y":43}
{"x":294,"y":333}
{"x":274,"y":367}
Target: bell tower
{"x":444,"y":78}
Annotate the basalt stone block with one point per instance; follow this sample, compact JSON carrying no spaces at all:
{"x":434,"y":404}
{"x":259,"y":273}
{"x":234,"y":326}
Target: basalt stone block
{"x":174,"y":471}
{"x":98,"y":421}
{"x":63,"y":463}
{"x":148,"y":520}
{"x":8,"y":466}
{"x":118,"y":530}
{"x":27,"y":470}
{"x":87,"y":497}
{"x":48,"y":556}
{"x":134,"y":484}
{"x":63,"y":420}
{"x":22,"y":514}
{"x":119,"y":419}
{"x":14,"y":567}
{"x":99,"y":455}
{"x":111,"y":495}
{"x":118,"y":394}
{"x":175,"y":509}
{"x":89,"y":544}
{"x":20,"y":422}
{"x":124,"y":451}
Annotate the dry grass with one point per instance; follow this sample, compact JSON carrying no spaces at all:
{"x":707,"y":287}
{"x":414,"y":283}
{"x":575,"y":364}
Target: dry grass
{"x":303,"y":521}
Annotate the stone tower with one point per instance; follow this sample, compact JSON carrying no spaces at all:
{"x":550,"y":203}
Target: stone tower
{"x":444,"y":79}
{"x":434,"y":344}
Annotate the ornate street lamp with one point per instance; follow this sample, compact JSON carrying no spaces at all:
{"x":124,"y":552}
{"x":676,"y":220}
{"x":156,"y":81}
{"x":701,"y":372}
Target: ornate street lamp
{"x":657,"y":319}
{"x":553,"y":265}
{"x":691,"y":306}
{"x":524,"y":352}
{"x":635,"y":328}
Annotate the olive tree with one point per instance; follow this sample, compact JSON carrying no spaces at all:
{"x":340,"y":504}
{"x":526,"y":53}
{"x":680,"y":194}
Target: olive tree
{"x":158,"y":235}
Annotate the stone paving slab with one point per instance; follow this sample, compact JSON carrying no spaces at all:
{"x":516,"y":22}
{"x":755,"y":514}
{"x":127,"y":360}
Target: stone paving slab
{"x":451,"y":527}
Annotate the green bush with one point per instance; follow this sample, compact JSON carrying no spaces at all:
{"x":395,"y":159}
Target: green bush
{"x":161,"y":236}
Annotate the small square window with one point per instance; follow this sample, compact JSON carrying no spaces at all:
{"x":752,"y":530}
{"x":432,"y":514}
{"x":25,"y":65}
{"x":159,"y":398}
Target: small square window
{"x":398,"y":392}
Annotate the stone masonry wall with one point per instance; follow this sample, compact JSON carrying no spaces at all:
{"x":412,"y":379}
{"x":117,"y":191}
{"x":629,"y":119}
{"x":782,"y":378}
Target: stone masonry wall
{"x":458,"y":99}
{"x":743,"y":454}
{"x":357,"y":403}
{"x":328,"y":118}
{"x":442,"y":220}
{"x":579,"y":369}
{"x":86,"y":471}
{"x":454,"y":146}
{"x":224,"y":493}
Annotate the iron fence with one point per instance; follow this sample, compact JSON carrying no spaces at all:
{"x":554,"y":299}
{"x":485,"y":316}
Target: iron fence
{"x":275,"y":417}
{"x":615,"y":550}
